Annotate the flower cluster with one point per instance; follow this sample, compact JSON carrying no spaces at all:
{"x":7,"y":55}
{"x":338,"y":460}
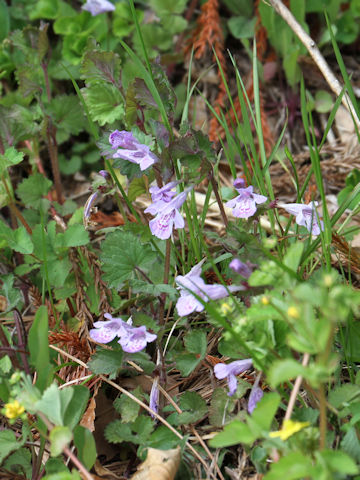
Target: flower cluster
{"x":244,"y":205}
{"x":128,"y":148}
{"x":230,"y":370}
{"x":95,"y":7}
{"x":305,"y":215}
{"x":243,"y":269}
{"x":132,"y":339}
{"x":192,"y":283}
{"x":165,"y":207}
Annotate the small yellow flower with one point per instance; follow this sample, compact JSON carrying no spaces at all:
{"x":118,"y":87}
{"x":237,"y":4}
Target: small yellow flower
{"x":328,"y":280}
{"x":289,"y":427}
{"x":265,"y":300}
{"x":226,"y":308}
{"x":293,"y":312}
{"x":13,"y":409}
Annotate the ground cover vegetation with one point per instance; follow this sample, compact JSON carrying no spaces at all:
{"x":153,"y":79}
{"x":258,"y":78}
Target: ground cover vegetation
{"x":179,"y":240}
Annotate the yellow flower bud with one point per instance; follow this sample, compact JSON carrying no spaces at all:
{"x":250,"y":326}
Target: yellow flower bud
{"x":225,"y":308}
{"x":293,"y":312}
{"x":265,"y":300}
{"x":13,"y":409}
{"x":328,"y":280}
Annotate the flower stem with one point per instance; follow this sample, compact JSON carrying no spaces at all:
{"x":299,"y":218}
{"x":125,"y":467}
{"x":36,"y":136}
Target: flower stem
{"x":218,"y":199}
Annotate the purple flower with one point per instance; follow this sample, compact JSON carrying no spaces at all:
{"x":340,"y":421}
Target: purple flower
{"x":135,"y":339}
{"x":230,"y":371}
{"x":98,"y":6}
{"x":89,"y":205}
{"x":128,"y":148}
{"x":132,"y":339}
{"x":154,"y":396}
{"x":244,"y":205}
{"x":164,"y":193}
{"x":243,"y":269}
{"x":255,"y":396}
{"x":239,"y":183}
{"x":160,"y":197}
{"x":105,"y":332}
{"x":306,"y":216}
{"x":193,"y":283}
{"x":167,"y":216}
{"x":104,"y":173}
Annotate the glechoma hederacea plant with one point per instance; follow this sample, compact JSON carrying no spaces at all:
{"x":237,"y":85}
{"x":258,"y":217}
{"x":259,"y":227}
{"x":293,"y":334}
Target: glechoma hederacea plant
{"x":156,"y":298}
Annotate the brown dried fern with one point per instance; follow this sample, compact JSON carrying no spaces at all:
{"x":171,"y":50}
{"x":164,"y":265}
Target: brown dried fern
{"x":208,"y":36}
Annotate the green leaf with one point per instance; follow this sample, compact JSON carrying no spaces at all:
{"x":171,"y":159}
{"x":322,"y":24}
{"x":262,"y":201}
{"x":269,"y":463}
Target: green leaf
{"x":292,"y":258}
{"x":137,"y":187}
{"x":5,"y":364}
{"x":59,"y":437}
{"x":163,"y":439}
{"x":106,"y":362}
{"x":44,"y":9}
{"x":242,"y":27}
{"x":293,"y":466}
{"x":104,"y":102}
{"x":196,"y":342}
{"x":39,"y":347}
{"x":67,"y":115}
{"x":118,"y":432}
{"x":343,"y":395}
{"x":5,"y":20}
{"x":75,"y":236}
{"x":141,"y":286}
{"x":323,"y":101}
{"x":54,"y":403}
{"x":8,"y":443}
{"x":350,"y":444}
{"x":85,"y":444}
{"x":76,"y":408}
{"x":163,"y":7}
{"x":9,"y":158}
{"x":33,"y":189}
{"x":186,"y":363}
{"x":19,"y":462}
{"x":128,"y":409}
{"x":265,"y":410}
{"x":220,"y":407}
{"x":283,"y":370}
{"x":99,"y":65}
{"x":339,"y":461}
{"x":122,"y":253}
{"x":13,"y":296}
{"x":19,"y":239}
{"x":194,"y":408}
{"x":234,"y":433}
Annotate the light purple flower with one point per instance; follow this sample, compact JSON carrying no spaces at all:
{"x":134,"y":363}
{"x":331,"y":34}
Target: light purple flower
{"x":256,"y":395}
{"x":193,"y":283}
{"x":128,"y":148}
{"x":106,"y":331}
{"x":230,"y":371}
{"x":167,"y":216}
{"x":244,"y":205}
{"x":239,"y":183}
{"x":104,"y":173}
{"x":164,"y":193}
{"x":305,"y":215}
{"x":154,"y":396}
{"x":95,"y":7}
{"x":243,"y":269}
{"x":89,"y":205}
{"x":135,"y":339}
{"x":161,"y":197}
{"x":132,"y":339}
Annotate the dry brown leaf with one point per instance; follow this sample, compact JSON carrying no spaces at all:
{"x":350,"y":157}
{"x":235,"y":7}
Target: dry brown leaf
{"x":88,"y":418}
{"x":159,"y":465}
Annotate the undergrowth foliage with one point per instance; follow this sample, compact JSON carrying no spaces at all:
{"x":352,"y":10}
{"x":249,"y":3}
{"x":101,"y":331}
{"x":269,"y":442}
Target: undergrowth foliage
{"x":243,"y":337}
